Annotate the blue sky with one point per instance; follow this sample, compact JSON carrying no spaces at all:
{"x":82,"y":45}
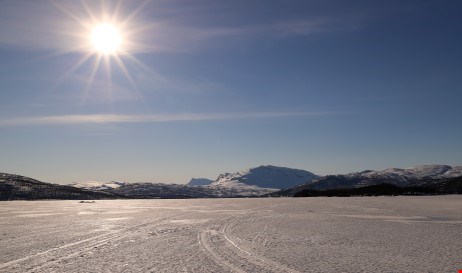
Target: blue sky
{"x":205,"y":87}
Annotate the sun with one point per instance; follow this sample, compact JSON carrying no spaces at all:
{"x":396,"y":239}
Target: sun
{"x":107,"y":35}
{"x":106,"y":39}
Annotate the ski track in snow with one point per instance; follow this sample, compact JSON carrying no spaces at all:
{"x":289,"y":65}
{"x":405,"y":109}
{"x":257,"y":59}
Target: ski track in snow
{"x":377,"y":234}
{"x":68,"y":251}
{"x":227,"y":252}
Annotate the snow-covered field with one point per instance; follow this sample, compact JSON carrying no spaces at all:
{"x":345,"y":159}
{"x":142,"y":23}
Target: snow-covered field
{"x":368,"y":234}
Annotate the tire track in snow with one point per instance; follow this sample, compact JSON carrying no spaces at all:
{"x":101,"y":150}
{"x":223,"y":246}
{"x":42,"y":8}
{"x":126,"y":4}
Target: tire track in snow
{"x":262,"y":237}
{"x":55,"y":255}
{"x":205,"y":242}
{"x":227,"y":252}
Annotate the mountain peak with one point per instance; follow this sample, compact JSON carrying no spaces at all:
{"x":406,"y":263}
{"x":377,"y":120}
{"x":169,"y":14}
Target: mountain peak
{"x":267,"y":176}
{"x":199,"y":182}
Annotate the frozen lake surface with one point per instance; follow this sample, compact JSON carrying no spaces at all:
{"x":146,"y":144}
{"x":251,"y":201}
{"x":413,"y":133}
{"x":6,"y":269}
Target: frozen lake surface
{"x":368,"y":234}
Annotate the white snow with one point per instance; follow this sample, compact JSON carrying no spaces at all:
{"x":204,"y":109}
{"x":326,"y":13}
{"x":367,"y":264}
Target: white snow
{"x":236,"y":188}
{"x":97,"y":185}
{"x":418,"y":172}
{"x":266,"y":177}
{"x":375,"y":234}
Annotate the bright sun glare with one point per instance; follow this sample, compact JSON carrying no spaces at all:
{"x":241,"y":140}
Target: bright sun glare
{"x":106,"y":39}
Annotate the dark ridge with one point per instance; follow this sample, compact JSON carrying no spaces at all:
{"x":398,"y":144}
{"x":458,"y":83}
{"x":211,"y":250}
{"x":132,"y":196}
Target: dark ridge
{"x":161,"y":191}
{"x":16,"y":187}
{"x":449,"y":186}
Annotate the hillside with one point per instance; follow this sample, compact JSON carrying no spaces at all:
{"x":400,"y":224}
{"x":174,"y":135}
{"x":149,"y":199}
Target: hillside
{"x":251,"y":182}
{"x":426,"y":175}
{"x":160,"y":190}
{"x":271,"y":177}
{"x":448,"y":186}
{"x":16,"y":187}
{"x":260,"y":181}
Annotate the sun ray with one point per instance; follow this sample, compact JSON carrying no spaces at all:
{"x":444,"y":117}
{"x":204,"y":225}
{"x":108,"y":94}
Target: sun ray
{"x":141,"y":28}
{"x":73,"y":68}
{"x":125,"y":71}
{"x":134,"y":13}
{"x":89,"y":83}
{"x":88,"y":11}
{"x":70,"y":14}
{"x":107,"y":61}
{"x":107,"y":33}
{"x":138,"y":62}
{"x":96,"y":66}
{"x":116,"y":12}
{"x":149,"y":69}
{"x":103,"y":10}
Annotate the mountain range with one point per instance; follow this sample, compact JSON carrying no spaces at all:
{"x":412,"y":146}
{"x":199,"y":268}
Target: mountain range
{"x":421,"y":176}
{"x":250,"y":182}
{"x":259,"y":181}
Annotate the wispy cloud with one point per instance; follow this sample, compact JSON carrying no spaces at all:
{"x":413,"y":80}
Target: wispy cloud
{"x":101,"y":119}
{"x":172,"y":36}
{"x":48,"y":27}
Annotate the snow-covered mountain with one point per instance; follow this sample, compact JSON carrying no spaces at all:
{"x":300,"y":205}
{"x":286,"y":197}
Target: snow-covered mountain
{"x":161,"y":190}
{"x":422,"y":175}
{"x":263,"y":180}
{"x":199,"y":182}
{"x":251,"y":182}
{"x":267,"y":177}
{"x":96,"y":185}
{"x":417,"y":172}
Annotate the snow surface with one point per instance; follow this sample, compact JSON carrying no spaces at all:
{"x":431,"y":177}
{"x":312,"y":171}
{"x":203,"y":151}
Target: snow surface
{"x":367,"y":234}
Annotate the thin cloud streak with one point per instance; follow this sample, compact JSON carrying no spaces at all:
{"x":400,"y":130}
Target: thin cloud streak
{"x":86,"y":119}
{"x":41,"y":30}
